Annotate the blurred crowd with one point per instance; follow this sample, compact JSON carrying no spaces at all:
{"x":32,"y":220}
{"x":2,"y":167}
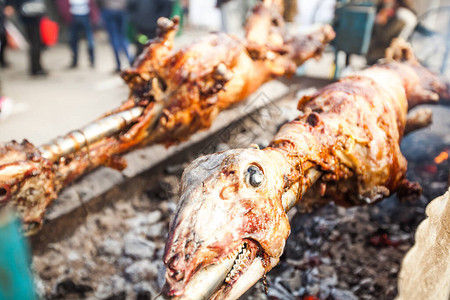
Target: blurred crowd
{"x":133,"y":22}
{"x":124,"y":20}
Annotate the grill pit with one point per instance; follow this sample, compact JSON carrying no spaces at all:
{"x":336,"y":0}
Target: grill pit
{"x":112,"y":249}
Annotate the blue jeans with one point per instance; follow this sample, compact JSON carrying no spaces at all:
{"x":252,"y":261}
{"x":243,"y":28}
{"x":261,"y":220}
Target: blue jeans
{"x":116,"y":24}
{"x":81,"y":23}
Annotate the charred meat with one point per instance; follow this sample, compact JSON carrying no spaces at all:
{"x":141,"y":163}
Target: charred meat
{"x":175,"y":92}
{"x":231,"y":223}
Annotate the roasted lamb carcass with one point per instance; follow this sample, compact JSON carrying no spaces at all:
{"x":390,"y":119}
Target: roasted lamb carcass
{"x":173,"y":94}
{"x":231,"y":225}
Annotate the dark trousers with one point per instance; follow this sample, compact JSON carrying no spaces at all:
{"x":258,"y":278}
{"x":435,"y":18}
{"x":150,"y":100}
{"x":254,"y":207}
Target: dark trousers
{"x":34,"y":38}
{"x":115,"y":22}
{"x":3,"y":42}
{"x":81,"y":23}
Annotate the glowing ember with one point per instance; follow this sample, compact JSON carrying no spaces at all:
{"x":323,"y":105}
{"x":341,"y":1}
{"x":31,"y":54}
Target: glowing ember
{"x":310,"y":298}
{"x":441,"y":157}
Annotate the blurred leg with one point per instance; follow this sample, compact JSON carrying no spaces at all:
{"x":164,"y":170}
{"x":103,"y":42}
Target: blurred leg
{"x":123,"y":19}
{"x":34,"y":37}
{"x":74,"y":41}
{"x":3,"y":42}
{"x":90,"y":38}
{"x":110,"y":19}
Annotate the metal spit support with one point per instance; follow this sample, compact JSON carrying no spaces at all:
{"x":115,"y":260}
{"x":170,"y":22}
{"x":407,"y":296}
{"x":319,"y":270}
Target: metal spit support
{"x":77,"y":139}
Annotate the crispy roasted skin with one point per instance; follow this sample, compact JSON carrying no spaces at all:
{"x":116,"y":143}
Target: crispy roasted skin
{"x":351,"y":131}
{"x":344,"y":147}
{"x":180,"y":91}
{"x":26,"y":178}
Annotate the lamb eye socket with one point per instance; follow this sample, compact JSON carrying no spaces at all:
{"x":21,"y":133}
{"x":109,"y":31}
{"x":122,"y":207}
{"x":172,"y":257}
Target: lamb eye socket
{"x":254,"y":176}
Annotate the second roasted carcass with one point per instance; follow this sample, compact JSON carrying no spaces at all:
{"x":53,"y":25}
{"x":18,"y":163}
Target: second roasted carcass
{"x":231,"y":223}
{"x":173,"y":94}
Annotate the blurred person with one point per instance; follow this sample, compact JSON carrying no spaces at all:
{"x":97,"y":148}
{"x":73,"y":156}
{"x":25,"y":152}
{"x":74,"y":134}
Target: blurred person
{"x":3,"y":40}
{"x":6,"y":103}
{"x":114,"y":15}
{"x":204,"y":15}
{"x":395,"y":18}
{"x":5,"y":11}
{"x":234,"y":13}
{"x":311,"y":12}
{"x":290,"y":10}
{"x":79,"y":15}
{"x":31,"y":13}
{"x":143,"y":16}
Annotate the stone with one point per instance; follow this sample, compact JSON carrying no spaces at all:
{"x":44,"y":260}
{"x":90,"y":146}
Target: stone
{"x":168,"y":207}
{"x":73,"y":256}
{"x":313,"y":289}
{"x":153,"y":217}
{"x":39,"y":286}
{"x":124,"y":261}
{"x":138,"y":247}
{"x":135,"y":222}
{"x":106,"y":223}
{"x":155,"y":230}
{"x":68,"y":287}
{"x":144,"y":219}
{"x":141,"y":270}
{"x":110,"y":247}
{"x":113,"y":285}
{"x":144,"y":290}
{"x":119,"y":296}
{"x":124,"y":208}
{"x":161,"y":277}
{"x":329,"y":281}
{"x":339,"y":294}
{"x":292,"y":280}
{"x":324,"y":292}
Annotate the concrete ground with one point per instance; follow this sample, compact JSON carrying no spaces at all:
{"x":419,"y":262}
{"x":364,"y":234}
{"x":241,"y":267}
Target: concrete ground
{"x":45,"y":107}
{"x":67,"y":99}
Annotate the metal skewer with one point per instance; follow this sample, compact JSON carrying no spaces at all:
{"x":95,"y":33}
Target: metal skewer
{"x":77,"y":139}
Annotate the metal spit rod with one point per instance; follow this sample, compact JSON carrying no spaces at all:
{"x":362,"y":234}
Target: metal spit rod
{"x":77,"y":139}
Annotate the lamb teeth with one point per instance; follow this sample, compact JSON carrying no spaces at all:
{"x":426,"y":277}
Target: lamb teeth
{"x":242,"y":257}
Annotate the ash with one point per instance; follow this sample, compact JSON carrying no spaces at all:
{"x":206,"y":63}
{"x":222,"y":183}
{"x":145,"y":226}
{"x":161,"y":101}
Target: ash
{"x":332,"y":253}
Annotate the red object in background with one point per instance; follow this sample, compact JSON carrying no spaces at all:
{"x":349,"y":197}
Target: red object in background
{"x":49,"y":31}
{"x":310,"y":298}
